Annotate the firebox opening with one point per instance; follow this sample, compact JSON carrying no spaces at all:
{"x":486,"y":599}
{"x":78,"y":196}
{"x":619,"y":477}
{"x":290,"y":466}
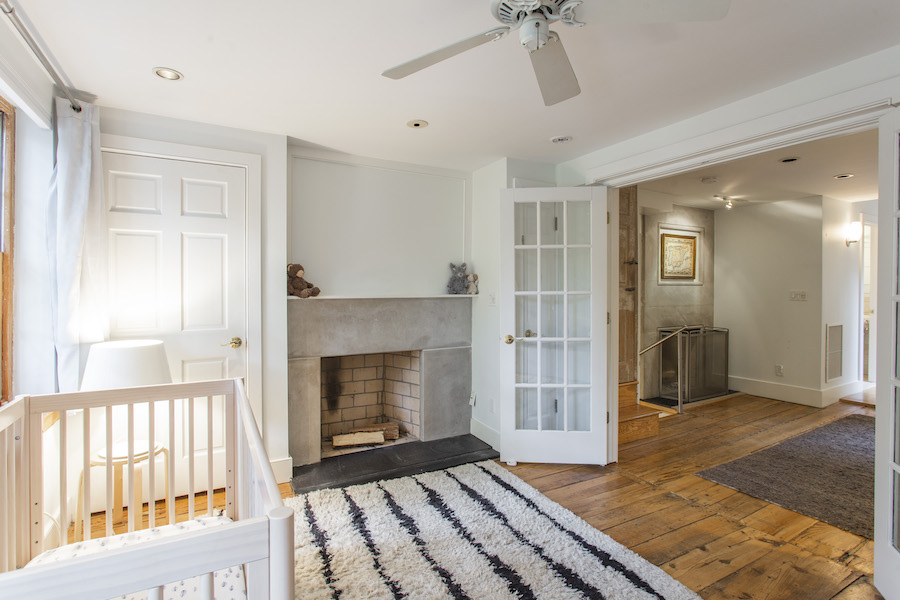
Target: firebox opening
{"x":362,"y":390}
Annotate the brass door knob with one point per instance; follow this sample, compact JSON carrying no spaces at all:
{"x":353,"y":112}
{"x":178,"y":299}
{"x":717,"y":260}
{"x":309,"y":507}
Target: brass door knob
{"x":235,"y":342}
{"x":509,"y":339}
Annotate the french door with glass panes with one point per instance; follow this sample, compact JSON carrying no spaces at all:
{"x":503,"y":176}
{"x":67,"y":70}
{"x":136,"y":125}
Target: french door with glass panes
{"x":887,"y":403}
{"x":554,"y":325}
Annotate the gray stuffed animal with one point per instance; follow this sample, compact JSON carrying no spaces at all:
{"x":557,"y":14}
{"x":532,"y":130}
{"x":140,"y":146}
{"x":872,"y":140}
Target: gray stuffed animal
{"x":458,"y":282}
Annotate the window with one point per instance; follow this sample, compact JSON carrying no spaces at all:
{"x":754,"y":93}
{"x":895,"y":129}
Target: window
{"x":7,"y":171}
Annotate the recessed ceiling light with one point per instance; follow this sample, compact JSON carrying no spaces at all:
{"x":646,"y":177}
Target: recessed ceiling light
{"x":417,"y":124}
{"x":167,"y":73}
{"x":844,"y":176}
{"x":561,"y":139}
{"x":790,"y":159}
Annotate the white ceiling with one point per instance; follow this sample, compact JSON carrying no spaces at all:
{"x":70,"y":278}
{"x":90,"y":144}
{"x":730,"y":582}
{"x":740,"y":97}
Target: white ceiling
{"x":312,"y":69}
{"x":765,"y":178}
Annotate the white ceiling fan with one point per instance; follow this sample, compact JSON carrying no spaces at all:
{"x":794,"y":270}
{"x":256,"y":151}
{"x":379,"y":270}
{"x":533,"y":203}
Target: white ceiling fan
{"x":532,"y":18}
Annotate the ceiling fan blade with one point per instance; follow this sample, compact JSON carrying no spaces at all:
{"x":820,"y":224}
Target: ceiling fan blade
{"x":652,"y":11}
{"x":554,"y":72}
{"x":432,"y":58}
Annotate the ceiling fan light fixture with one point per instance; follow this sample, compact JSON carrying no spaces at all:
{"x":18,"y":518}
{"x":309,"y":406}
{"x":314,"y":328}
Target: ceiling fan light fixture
{"x":535,"y":31}
{"x":168,"y":74}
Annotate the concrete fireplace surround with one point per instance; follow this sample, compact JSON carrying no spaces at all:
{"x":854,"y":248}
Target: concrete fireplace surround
{"x":440,"y":327}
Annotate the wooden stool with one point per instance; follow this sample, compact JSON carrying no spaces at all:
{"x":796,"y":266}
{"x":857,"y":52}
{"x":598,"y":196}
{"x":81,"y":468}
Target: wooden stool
{"x":119,"y":462}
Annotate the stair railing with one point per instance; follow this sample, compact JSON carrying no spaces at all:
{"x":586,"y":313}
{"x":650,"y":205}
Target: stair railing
{"x":678,"y":333}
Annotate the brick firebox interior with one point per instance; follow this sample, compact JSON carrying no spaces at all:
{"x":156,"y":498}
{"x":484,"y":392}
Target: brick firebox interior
{"x":366,"y":389}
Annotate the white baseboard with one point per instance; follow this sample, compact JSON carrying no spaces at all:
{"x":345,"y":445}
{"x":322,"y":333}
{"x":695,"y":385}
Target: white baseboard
{"x":486,"y":434}
{"x":792,"y":393}
{"x":283,"y":469}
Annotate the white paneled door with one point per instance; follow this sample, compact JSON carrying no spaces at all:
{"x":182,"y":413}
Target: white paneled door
{"x":177,"y":272}
{"x":887,"y":411}
{"x":554,"y":325}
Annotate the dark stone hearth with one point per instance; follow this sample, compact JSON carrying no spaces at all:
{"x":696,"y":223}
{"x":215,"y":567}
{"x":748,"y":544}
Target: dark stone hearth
{"x":387,"y":463}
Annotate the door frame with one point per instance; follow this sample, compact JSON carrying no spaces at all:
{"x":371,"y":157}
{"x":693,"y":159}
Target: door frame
{"x":251,"y":164}
{"x":887,"y":557}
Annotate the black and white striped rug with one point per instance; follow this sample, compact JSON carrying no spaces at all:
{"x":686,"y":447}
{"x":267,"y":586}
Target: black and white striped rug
{"x":474,"y":531}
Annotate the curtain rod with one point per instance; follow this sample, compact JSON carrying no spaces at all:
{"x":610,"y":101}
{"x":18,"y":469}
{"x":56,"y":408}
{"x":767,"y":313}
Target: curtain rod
{"x":32,"y":43}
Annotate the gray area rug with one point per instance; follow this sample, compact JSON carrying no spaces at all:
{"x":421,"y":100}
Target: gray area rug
{"x":827,"y":473}
{"x":474,"y":531}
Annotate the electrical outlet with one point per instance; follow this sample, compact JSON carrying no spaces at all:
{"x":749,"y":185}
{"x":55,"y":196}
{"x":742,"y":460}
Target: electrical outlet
{"x":492,"y":299}
{"x":779,"y":370}
{"x":472,"y":399}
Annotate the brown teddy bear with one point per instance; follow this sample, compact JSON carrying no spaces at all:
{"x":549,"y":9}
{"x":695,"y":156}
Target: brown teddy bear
{"x":297,"y":285}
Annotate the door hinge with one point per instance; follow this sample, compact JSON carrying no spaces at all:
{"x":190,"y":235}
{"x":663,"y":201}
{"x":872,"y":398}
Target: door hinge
{"x":607,"y":218}
{"x":607,"y":319}
{"x":607,"y":418}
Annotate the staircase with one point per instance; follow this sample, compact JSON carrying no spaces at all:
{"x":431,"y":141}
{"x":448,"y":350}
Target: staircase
{"x":636,"y":421}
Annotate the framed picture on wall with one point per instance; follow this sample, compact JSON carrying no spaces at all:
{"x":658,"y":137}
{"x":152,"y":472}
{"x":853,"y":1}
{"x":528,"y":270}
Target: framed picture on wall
{"x":677,"y":257}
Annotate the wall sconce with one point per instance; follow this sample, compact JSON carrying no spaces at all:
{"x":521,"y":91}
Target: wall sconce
{"x":854,"y":232}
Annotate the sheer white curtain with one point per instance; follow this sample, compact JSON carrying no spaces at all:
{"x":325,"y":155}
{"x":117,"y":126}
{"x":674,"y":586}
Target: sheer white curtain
{"x":76,"y":241}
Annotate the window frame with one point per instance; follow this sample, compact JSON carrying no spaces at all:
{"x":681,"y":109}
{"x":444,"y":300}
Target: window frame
{"x":8,"y":115}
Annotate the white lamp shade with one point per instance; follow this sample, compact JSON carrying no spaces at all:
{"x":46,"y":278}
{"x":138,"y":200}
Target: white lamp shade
{"x":125,"y":363}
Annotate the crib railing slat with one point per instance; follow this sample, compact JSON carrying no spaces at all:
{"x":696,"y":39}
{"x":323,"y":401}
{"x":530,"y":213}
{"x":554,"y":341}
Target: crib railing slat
{"x":230,"y":457}
{"x":170,"y":496}
{"x":112,"y":490}
{"x":4,"y":507}
{"x":22,"y":464}
{"x":151,"y":468}
{"x":155,"y":593}
{"x":206,"y":586}
{"x":36,"y":491}
{"x":190,"y":454}
{"x":132,"y":484}
{"x":209,"y":455}
{"x":86,"y":474}
{"x":63,"y":479}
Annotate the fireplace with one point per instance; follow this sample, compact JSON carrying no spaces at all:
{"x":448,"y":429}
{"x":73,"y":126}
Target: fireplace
{"x":370,"y":389}
{"x":350,"y":365}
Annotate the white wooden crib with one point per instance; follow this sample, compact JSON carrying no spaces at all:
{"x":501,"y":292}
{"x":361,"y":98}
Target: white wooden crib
{"x":185,"y":418}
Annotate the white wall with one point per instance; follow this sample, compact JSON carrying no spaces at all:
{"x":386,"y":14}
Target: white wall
{"x":840,"y":289}
{"x":273,"y":150}
{"x":369,"y":228}
{"x":487,"y":183}
{"x":486,"y":335}
{"x":763,"y":252}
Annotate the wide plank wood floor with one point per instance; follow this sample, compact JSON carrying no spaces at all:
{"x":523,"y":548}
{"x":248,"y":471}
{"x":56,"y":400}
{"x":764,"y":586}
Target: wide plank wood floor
{"x":719,"y":542}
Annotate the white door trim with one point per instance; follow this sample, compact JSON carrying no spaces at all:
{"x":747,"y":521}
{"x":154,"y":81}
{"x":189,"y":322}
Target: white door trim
{"x":252,"y":166}
{"x":887,"y":557}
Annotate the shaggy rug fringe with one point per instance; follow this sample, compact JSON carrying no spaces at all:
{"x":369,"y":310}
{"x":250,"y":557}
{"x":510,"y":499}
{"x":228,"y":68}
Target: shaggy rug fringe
{"x":474,"y":531}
